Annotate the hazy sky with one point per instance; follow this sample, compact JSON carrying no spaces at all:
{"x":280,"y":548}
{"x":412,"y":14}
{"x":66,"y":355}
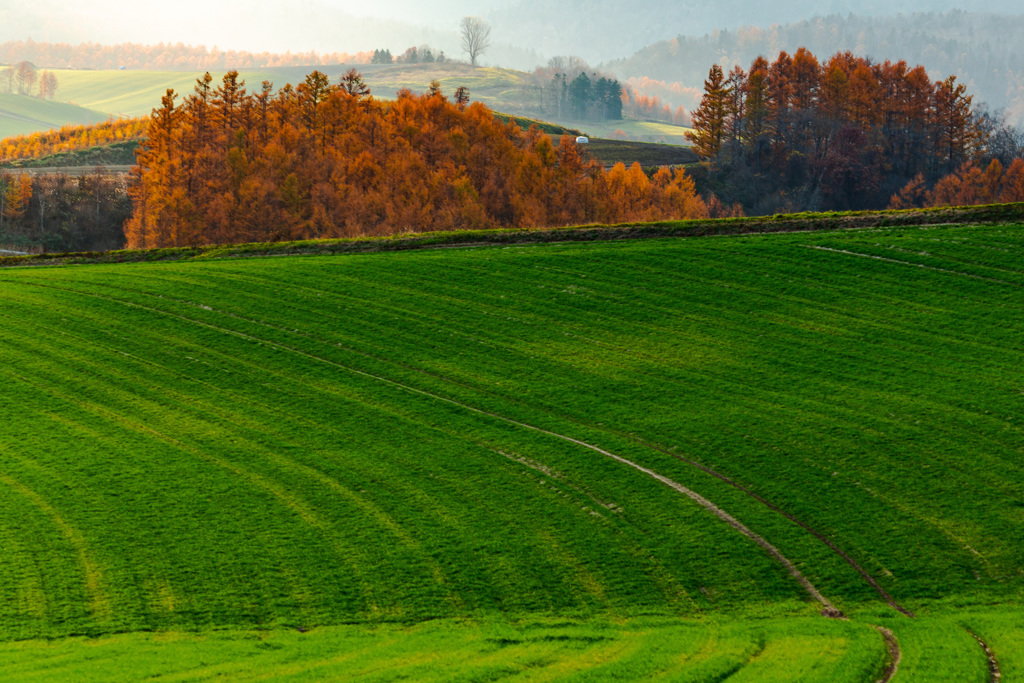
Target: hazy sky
{"x":323,"y":25}
{"x":596,"y":29}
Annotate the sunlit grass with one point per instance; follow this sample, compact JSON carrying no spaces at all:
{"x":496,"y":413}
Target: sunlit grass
{"x":324,"y":453}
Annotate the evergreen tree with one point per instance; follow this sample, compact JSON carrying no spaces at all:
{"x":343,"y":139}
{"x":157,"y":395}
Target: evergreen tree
{"x":709,"y":119}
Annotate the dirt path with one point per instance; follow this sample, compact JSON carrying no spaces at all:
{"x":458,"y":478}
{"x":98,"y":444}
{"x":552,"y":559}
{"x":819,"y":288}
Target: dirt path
{"x":828,"y":609}
{"x":893,"y":647}
{"x":994,"y":674}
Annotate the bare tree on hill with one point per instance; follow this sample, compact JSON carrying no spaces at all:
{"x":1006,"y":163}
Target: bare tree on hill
{"x":476,"y":34}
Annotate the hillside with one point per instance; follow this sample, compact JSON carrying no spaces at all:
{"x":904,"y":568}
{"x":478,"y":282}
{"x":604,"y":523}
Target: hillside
{"x":20,"y":115}
{"x":595,"y":460}
{"x":136,"y":92}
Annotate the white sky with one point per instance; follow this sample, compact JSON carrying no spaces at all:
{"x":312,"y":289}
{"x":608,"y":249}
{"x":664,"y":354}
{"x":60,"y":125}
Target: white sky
{"x":322,"y":25}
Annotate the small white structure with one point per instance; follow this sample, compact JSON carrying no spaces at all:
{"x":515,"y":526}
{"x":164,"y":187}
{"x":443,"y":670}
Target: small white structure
{"x":582,"y":140}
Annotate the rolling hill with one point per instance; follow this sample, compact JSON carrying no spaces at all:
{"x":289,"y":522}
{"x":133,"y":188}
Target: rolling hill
{"x":573,"y":461}
{"x":136,"y":92}
{"x":20,"y":115}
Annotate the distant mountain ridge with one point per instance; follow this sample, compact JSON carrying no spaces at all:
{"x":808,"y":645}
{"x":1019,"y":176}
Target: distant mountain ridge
{"x":983,"y":50}
{"x":601,"y":30}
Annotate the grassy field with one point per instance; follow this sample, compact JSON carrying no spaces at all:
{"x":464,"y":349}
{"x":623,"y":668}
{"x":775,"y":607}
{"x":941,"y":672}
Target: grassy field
{"x":638,"y":131}
{"x":20,"y":115}
{"x":135,"y":93}
{"x":520,"y":461}
{"x":645,"y":153}
{"x":114,"y":154}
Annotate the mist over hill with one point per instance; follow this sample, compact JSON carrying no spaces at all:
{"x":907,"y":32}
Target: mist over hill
{"x":983,"y":50}
{"x":597,"y":30}
{"x":605,"y":29}
{"x":325,"y":26}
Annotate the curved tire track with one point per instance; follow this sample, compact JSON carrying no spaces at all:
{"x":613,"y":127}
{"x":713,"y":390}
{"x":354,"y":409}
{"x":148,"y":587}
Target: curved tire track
{"x":870,"y":580}
{"x":828,"y":609}
{"x":93,"y":578}
{"x":803,"y":525}
{"x":994,"y":674}
{"x":893,"y":648}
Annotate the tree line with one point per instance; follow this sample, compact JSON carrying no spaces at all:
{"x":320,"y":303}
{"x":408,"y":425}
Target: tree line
{"x":847,"y":133}
{"x":324,"y":159}
{"x":23,"y":77}
{"x":56,"y":212}
{"x":568,"y":89}
{"x":71,"y":138}
{"x":982,"y":49}
{"x":176,"y":56}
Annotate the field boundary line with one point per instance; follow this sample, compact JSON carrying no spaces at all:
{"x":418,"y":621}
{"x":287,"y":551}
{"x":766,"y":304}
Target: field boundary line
{"x":994,"y":673}
{"x":751,"y":225}
{"x":828,"y":609}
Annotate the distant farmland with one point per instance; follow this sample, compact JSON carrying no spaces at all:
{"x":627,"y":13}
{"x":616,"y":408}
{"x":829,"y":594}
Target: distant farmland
{"x":130,"y":92}
{"x":589,"y":461}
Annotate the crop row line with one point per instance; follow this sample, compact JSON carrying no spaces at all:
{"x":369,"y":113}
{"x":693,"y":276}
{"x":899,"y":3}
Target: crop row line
{"x":828,"y":609}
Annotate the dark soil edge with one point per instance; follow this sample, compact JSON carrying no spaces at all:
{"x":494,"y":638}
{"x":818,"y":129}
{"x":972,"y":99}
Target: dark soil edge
{"x":807,"y":222}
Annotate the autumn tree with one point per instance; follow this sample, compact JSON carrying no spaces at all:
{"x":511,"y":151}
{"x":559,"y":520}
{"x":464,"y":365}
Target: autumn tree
{"x":476,"y":37}
{"x":26,"y":76}
{"x":736,"y":120}
{"x":952,"y":118}
{"x":323,"y":162}
{"x":709,"y":119}
{"x":16,"y":197}
{"x":352,"y":82}
{"x":47,"y":85}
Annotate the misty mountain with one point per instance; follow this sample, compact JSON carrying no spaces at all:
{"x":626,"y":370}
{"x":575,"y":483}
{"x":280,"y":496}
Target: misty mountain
{"x":601,"y":30}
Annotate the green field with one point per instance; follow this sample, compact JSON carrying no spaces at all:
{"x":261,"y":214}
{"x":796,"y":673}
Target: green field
{"x":591,"y":461}
{"x":647,"y":154}
{"x":639,"y":131}
{"x":136,"y":92}
{"x":20,"y":115}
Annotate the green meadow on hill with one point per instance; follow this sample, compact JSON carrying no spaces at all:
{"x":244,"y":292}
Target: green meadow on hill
{"x":761,"y":458}
{"x":132,"y":92}
{"x":21,"y":115}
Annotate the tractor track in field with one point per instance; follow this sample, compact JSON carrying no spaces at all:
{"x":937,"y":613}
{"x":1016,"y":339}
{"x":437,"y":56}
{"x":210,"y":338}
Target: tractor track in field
{"x":846,"y":557}
{"x":885,"y":595}
{"x":994,"y":673}
{"x":803,"y":525}
{"x":892,"y":646}
{"x":828,"y":609}
{"x":910,"y":264}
